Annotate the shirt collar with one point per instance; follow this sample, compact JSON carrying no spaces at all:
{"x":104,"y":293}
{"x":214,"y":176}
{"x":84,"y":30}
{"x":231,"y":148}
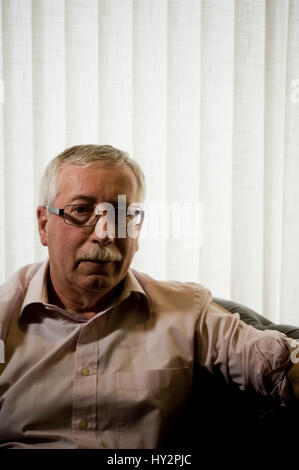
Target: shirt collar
{"x":37,"y":289}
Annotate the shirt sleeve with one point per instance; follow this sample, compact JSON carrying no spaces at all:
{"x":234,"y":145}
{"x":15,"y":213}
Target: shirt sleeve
{"x":248,"y":357}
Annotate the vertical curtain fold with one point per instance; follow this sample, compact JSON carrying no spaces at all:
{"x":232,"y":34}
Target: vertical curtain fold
{"x":183,"y":122}
{"x":18,"y":133}
{"x":248,"y":153}
{"x":290,"y":237}
{"x":115,"y":73}
{"x":2,"y":167}
{"x":81,"y":71}
{"x":150,"y":120}
{"x":277,"y":16}
{"x":217,"y":114}
{"x":48,"y":70}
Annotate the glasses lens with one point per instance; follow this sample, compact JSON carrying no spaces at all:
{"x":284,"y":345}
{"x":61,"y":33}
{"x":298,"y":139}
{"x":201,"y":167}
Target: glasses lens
{"x":122,"y":216}
{"x":134,"y":216}
{"x":79,"y":214}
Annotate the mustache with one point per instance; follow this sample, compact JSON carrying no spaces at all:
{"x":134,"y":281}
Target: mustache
{"x":101,"y":253}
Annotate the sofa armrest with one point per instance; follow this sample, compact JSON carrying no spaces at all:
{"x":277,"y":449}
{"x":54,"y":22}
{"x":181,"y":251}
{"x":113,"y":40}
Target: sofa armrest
{"x":255,"y":319}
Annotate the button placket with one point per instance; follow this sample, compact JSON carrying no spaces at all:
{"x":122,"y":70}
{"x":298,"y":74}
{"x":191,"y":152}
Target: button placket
{"x":85,"y":390}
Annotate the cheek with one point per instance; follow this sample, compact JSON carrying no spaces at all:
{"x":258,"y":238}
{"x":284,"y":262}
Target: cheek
{"x":128,"y":247}
{"x":62,"y":239}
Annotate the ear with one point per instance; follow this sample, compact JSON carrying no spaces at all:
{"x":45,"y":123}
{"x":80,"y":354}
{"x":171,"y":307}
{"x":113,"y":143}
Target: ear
{"x":42,"y":219}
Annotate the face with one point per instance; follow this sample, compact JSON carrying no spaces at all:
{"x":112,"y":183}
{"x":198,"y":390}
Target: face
{"x":67,"y":244}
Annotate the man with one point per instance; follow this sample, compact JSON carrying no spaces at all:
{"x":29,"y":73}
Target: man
{"x":98,"y":355}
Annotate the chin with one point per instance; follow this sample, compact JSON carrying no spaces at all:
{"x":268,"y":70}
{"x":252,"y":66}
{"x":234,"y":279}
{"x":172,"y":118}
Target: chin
{"x":94,"y":281}
{"x":97,"y":276}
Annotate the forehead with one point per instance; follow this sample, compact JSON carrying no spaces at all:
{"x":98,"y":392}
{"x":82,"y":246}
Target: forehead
{"x":100,"y":182}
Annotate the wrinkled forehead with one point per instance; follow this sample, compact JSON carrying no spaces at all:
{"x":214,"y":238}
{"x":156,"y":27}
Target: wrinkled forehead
{"x":99,"y":182}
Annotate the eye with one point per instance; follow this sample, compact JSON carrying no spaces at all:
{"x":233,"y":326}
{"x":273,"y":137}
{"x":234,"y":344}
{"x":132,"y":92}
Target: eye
{"x":82,"y":209}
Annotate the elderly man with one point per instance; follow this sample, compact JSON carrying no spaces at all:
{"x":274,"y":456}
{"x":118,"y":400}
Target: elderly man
{"x":98,"y":355}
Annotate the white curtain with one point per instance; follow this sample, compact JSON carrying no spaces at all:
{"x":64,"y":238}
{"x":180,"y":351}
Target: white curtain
{"x":203,"y":93}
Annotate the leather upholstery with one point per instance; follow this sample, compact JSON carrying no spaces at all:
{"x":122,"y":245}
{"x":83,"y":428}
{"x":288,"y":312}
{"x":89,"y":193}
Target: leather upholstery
{"x":256,"y":320}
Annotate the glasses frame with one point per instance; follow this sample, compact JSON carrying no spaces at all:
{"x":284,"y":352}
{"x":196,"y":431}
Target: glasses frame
{"x":98,"y":214}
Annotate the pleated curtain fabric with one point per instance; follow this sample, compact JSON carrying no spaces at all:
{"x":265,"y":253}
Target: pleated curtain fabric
{"x":203,"y":93}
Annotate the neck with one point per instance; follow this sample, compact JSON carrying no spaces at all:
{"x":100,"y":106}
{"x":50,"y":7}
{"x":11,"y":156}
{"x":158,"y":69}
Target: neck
{"x":86,"y":306}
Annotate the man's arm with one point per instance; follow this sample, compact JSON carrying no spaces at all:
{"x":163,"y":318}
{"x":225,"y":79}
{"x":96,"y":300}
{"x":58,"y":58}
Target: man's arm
{"x":252,"y":359}
{"x":293,"y":378}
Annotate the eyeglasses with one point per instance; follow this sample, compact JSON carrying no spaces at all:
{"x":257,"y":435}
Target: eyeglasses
{"x":84,"y":215}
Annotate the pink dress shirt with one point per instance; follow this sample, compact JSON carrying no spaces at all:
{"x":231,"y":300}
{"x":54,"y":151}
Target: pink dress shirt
{"x":115,"y":380}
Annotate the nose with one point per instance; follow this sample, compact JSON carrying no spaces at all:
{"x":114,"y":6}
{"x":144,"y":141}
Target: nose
{"x":103,"y":230}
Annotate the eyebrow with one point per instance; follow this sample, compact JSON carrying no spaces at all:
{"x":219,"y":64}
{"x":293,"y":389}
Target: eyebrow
{"x":91,"y":199}
{"x":82,"y":196}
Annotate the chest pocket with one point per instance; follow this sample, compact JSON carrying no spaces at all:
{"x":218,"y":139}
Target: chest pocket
{"x":146,"y":403}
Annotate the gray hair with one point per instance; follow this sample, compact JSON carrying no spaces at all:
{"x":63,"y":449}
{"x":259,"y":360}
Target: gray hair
{"x":85,"y":156}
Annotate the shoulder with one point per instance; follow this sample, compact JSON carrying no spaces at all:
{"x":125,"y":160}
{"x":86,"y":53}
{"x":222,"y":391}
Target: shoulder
{"x":174,"y":294}
{"x":13,"y":291}
{"x":20,"y":279}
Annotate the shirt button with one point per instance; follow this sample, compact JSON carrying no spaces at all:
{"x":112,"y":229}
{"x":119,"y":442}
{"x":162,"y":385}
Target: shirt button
{"x":83,"y":424}
{"x":85,"y":371}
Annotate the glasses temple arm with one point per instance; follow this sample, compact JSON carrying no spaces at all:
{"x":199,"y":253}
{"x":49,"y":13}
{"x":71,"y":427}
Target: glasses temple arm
{"x":55,"y":211}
